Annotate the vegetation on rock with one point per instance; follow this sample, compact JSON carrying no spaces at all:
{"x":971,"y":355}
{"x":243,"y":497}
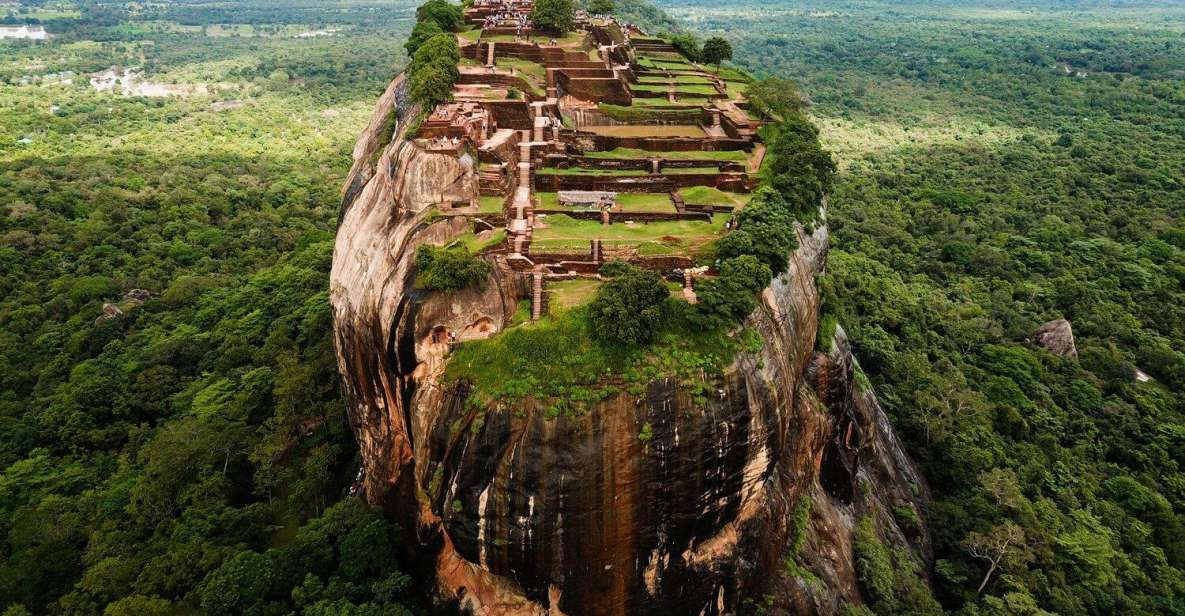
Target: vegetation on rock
{"x":433,"y":69}
{"x":449,"y":269}
{"x":629,"y":307}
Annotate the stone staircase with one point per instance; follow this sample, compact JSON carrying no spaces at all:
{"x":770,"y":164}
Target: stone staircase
{"x":491,"y":179}
{"x":537,"y":295}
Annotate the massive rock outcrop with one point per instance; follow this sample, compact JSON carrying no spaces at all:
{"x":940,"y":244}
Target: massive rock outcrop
{"x":522,"y":514}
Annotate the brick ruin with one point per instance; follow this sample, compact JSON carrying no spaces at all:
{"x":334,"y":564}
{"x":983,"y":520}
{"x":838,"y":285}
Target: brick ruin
{"x":598,"y":130}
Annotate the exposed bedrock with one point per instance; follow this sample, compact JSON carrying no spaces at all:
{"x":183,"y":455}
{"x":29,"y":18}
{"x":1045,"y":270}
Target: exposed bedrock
{"x":583,"y":516}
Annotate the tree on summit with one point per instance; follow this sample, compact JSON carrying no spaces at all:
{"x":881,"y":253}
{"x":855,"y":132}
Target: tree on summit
{"x":420,"y":34}
{"x":555,"y":16}
{"x":629,"y":307}
{"x":446,"y":14}
{"x":601,"y":7}
{"x":715,"y":51}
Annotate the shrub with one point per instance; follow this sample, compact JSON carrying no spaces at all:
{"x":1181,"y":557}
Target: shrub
{"x":797,"y":167}
{"x":729,"y":297}
{"x":765,"y":230}
{"x":440,"y":50}
{"x":449,"y":270}
{"x":775,"y":97}
{"x":615,"y":268}
{"x":687,"y":45}
{"x":433,"y":85}
{"x":239,"y":583}
{"x":629,"y":307}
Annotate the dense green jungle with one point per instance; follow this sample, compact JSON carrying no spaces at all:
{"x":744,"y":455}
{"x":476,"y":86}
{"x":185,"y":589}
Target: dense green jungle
{"x":186,"y":450}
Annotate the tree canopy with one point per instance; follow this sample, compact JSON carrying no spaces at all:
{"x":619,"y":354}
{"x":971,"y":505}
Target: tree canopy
{"x":601,"y":7}
{"x":449,"y":269}
{"x":629,"y":307}
{"x":554,"y":16}
{"x":434,"y":70}
{"x":715,"y":51}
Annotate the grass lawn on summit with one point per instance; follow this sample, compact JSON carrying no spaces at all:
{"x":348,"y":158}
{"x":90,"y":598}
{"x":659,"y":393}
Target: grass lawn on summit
{"x":568,"y":294}
{"x":738,"y":156}
{"x":490,"y":204}
{"x":707,"y":195}
{"x":686,"y":130}
{"x":559,"y":233}
{"x":629,"y":202}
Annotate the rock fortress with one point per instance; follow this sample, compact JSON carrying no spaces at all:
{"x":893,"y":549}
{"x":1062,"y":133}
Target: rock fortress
{"x":666,"y":488}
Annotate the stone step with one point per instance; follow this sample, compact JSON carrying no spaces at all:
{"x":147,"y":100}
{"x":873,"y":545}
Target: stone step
{"x":537,"y":296}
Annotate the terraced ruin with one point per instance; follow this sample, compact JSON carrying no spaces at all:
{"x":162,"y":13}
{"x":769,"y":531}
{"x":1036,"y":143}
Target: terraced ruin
{"x":603,"y":144}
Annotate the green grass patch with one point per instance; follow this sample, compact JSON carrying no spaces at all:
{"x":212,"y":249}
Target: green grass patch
{"x":586,"y":171}
{"x":490,"y":204}
{"x":547,"y":200}
{"x":629,"y":202}
{"x":568,"y":294}
{"x":527,"y":67}
{"x":559,"y":362}
{"x":654,"y":79}
{"x":645,"y":202}
{"x":738,"y":156}
{"x":685,"y":130}
{"x":560,"y":233}
{"x":474,"y":244}
{"x":652,"y":111}
{"x":691,"y":171}
{"x":623,"y":172}
{"x":680,"y":90}
{"x":707,"y":195}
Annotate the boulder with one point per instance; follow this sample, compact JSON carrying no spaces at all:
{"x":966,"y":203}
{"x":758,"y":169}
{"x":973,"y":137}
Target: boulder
{"x":138,"y":296}
{"x":110,"y":311}
{"x":1057,"y":337}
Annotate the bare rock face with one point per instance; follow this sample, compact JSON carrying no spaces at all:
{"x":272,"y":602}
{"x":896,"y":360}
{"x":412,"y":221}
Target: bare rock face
{"x":110,"y":311}
{"x":137,"y":296}
{"x":523,"y":514}
{"x":1056,"y":337}
{"x":863,"y":472}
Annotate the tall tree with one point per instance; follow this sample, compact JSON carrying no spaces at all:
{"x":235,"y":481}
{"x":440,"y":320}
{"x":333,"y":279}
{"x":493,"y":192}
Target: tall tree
{"x":555,"y":16}
{"x":601,"y":7}
{"x":716,"y":50}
